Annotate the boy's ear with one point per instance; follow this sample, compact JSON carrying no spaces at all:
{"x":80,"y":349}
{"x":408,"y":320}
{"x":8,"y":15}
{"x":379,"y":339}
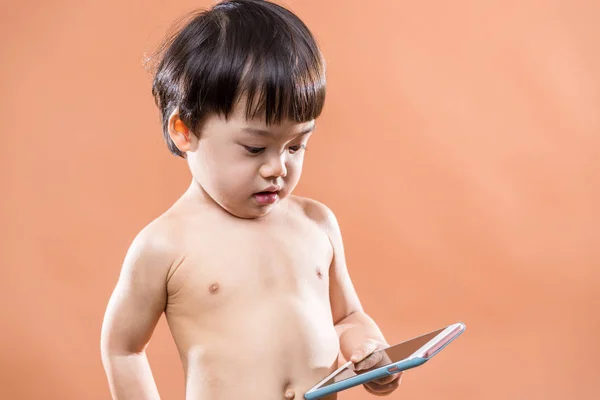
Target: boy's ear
{"x":180,"y":134}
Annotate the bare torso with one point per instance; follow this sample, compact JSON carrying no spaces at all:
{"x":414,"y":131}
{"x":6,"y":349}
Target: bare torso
{"x":248,"y":303}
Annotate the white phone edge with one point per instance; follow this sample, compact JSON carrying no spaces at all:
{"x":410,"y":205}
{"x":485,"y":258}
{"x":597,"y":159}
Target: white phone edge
{"x":423,"y":350}
{"x":342,"y":367}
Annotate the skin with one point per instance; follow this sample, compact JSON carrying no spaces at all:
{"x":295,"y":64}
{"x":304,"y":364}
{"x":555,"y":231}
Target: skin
{"x":257,"y":296}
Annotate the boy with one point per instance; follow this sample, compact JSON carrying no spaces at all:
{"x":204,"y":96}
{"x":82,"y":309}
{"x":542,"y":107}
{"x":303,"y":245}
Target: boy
{"x":252,"y":280}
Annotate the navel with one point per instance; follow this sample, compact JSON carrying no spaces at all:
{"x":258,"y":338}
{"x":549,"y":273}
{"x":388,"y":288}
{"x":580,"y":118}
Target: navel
{"x":214,"y":288}
{"x":289,"y":394}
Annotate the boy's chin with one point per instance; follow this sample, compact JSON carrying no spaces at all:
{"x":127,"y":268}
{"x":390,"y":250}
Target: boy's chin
{"x":251,"y":208}
{"x":252,"y":211}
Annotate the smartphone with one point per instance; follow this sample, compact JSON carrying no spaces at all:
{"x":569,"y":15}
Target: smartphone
{"x":400,"y":357}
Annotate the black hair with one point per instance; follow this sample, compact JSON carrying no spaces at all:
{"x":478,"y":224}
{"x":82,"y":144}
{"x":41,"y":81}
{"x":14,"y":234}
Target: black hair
{"x":250,"y":48}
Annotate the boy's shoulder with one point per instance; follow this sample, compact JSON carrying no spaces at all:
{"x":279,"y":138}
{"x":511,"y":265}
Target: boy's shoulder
{"x":156,"y":243}
{"x":316,"y":211}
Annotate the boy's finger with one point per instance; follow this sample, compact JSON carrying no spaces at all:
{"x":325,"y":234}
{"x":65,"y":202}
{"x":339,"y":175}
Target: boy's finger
{"x":386,"y":379}
{"x":389,"y":379}
{"x":363,"y":352}
{"x":377,"y":389}
{"x":369,"y":362}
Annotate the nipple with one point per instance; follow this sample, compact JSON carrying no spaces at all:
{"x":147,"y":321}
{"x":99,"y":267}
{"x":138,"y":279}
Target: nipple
{"x":289,"y":394}
{"x":214,"y":288}
{"x":319,"y":273}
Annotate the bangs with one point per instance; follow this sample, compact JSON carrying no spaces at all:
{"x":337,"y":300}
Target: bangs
{"x":282,"y":86}
{"x":274,"y":64}
{"x":247,"y":50}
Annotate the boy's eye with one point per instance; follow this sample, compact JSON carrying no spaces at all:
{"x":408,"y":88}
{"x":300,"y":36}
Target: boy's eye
{"x":254,"y":150}
{"x":297,"y":147}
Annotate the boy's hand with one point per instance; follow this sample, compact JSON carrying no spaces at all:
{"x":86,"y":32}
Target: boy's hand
{"x":365,"y":359}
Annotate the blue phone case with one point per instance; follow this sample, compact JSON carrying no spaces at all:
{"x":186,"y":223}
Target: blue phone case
{"x":364,"y":378}
{"x":398,"y":366}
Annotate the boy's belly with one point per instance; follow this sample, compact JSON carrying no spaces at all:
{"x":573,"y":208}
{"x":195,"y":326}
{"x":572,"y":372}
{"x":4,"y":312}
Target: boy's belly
{"x":257,"y":349}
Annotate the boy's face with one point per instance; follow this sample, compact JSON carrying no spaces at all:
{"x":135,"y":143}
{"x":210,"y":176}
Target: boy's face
{"x":246,"y":166}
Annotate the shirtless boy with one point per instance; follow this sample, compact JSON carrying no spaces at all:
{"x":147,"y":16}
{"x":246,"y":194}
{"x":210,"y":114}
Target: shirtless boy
{"x":252,"y":279}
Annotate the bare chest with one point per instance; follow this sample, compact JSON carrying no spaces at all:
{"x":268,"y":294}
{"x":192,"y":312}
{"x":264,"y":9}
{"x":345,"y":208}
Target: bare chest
{"x":227,"y":266}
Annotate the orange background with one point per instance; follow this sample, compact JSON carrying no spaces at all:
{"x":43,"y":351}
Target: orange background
{"x":459,"y":148}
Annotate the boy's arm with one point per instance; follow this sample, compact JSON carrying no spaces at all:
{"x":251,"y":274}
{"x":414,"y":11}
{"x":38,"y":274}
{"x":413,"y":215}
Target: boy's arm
{"x":133,"y":311}
{"x":358,"y":334}
{"x":355,"y":328}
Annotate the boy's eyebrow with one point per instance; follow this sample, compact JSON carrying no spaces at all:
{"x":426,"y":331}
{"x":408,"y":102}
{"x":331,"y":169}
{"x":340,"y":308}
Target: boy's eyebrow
{"x":269,"y":133}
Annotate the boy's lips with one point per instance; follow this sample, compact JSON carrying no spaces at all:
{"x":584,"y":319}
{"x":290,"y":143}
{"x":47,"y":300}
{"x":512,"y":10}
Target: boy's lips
{"x":271,"y":189}
{"x":267,"y":196}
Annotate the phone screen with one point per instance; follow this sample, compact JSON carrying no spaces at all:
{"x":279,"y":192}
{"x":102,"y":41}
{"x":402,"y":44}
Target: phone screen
{"x":392,"y":354}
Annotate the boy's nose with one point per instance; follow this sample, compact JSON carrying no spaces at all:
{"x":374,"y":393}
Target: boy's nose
{"x":274,"y":168}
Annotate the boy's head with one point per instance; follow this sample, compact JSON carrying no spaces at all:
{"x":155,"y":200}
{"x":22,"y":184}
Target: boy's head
{"x":242,"y":67}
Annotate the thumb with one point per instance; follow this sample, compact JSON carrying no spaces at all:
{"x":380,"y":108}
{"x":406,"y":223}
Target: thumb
{"x":363,"y":351}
